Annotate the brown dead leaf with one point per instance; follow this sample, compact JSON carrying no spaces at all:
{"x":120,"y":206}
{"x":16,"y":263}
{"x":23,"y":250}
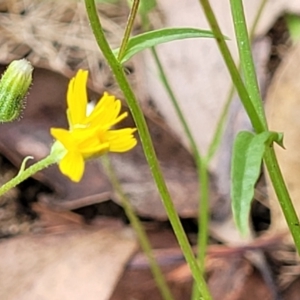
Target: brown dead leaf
{"x":231,"y":275}
{"x":293,"y":292}
{"x":81,"y":264}
{"x":52,"y":221}
{"x":227,"y":277}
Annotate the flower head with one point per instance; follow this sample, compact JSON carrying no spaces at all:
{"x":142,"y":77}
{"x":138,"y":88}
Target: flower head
{"x":89,"y":135}
{"x":14,"y":86}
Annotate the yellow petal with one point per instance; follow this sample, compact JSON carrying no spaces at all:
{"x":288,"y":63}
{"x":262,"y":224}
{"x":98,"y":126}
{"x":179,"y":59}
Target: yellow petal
{"x":64,"y":136}
{"x":88,"y":143}
{"x":121,"y":140}
{"x":95,"y":151}
{"x":77,"y":98}
{"x":89,"y":136}
{"x":123,"y":147}
{"x":72,"y":165}
{"x":106,"y":111}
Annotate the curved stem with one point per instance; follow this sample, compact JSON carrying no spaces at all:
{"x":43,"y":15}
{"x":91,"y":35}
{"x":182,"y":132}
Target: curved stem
{"x":40,"y":165}
{"x":257,"y":123}
{"x":202,"y":172}
{"x":219,"y":129}
{"x":283,"y":195}
{"x":257,"y":18}
{"x":175,"y":103}
{"x":202,"y":168}
{"x":147,"y":146}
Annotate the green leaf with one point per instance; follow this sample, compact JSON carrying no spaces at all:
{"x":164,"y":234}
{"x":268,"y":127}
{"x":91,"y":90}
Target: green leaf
{"x":153,"y":38}
{"x":248,"y":152}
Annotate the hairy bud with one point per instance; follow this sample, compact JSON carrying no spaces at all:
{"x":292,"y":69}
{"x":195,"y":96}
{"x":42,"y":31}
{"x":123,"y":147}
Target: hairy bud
{"x":14,"y":86}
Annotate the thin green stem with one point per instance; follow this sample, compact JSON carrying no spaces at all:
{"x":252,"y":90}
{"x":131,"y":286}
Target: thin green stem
{"x":147,"y":146}
{"x":202,"y":164}
{"x":202,"y":167}
{"x":214,"y":145}
{"x":283,"y":195}
{"x":175,"y":103}
{"x":129,"y":25}
{"x":234,"y":73}
{"x":40,"y":165}
{"x":246,"y":58}
{"x":202,"y":170}
{"x":139,"y":230}
{"x":204,"y":214}
{"x":203,"y":219}
{"x":257,"y":18}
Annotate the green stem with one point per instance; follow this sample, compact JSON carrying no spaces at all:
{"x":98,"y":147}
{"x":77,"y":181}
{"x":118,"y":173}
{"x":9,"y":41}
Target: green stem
{"x":283,"y":195}
{"x":203,"y":214}
{"x":147,"y":146}
{"x":257,"y":124}
{"x":131,"y":18}
{"x":40,"y":165}
{"x":139,"y":230}
{"x":214,"y":145}
{"x":257,"y":18}
{"x":246,"y":58}
{"x":187,"y":131}
{"x":175,"y":103}
{"x":203,"y":219}
{"x":252,"y":87}
{"x":269,"y":158}
{"x":202,"y":170}
{"x":217,"y":137}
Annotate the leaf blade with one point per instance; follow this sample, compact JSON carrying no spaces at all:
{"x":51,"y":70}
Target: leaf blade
{"x":153,"y":38}
{"x":248,"y":153}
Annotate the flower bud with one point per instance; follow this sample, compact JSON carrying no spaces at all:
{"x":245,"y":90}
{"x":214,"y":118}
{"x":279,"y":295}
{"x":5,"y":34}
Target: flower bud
{"x":14,"y":86}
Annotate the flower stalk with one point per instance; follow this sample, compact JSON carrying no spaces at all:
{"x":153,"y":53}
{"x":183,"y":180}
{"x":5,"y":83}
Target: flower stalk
{"x":139,"y":230}
{"x":25,"y":174}
{"x":89,"y":135}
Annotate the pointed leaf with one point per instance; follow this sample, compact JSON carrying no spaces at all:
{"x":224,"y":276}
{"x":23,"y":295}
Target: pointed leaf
{"x":248,"y":153}
{"x":153,"y":38}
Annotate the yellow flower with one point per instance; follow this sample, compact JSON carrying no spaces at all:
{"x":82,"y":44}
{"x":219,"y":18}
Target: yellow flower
{"x":89,"y":135}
